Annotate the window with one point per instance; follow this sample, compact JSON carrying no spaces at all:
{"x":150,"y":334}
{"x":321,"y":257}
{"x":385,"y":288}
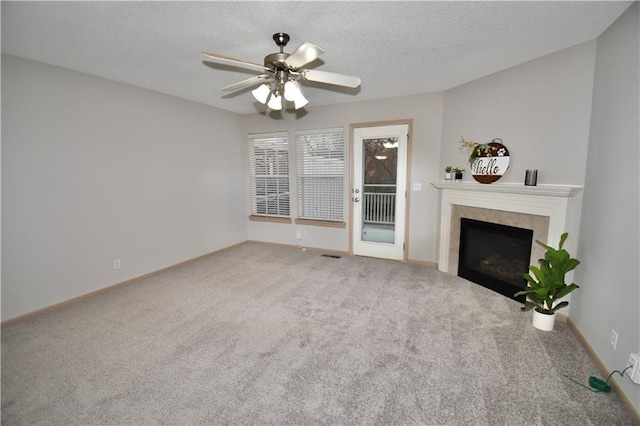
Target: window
{"x":321,"y":174}
{"x":269,"y":174}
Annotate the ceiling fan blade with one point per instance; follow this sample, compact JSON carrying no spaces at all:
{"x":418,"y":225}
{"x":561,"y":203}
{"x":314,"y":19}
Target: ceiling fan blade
{"x":330,"y":78}
{"x":237,"y":62}
{"x":304,"y":54}
{"x":250,"y":82}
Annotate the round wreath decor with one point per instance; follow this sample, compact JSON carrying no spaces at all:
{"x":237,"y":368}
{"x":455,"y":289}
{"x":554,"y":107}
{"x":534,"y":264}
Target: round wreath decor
{"x":488,"y":161}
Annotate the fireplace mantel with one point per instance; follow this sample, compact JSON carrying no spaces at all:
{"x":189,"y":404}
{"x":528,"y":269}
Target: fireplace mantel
{"x":560,"y":203}
{"x":511,"y":188}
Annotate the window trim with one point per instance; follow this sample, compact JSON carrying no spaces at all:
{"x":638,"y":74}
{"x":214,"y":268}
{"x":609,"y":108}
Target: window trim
{"x":300,"y":177}
{"x":325,"y":223}
{"x":282,"y":137}
{"x":272,"y":219}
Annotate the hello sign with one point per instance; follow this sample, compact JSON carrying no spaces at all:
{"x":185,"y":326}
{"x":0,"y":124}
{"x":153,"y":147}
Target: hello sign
{"x":491,"y":164}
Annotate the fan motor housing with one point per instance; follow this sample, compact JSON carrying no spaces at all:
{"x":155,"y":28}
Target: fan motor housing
{"x":276,"y":60}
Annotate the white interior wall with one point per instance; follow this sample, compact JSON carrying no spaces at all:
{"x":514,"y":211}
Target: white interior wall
{"x":540,"y":110}
{"x":426,"y":112}
{"x":558,"y":79}
{"x":609,"y":294}
{"x":94,"y":170}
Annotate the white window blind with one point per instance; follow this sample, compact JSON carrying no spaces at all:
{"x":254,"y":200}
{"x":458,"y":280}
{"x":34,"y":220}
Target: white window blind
{"x":269,"y":174}
{"x":320,"y":163}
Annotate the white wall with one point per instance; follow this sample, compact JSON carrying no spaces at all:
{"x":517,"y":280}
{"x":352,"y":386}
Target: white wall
{"x":94,"y":170}
{"x":609,"y":294}
{"x":540,"y":109}
{"x":426,"y":112}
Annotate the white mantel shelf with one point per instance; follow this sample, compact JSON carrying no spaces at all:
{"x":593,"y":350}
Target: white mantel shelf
{"x":511,"y":188}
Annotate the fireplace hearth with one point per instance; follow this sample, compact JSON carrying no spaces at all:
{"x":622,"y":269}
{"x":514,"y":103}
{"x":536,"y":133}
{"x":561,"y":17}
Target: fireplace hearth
{"x":494,"y":256}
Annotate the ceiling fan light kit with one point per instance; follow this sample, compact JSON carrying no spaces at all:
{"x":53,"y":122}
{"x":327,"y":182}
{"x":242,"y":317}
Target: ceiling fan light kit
{"x":283,"y":74}
{"x":275,"y":102}
{"x":261,"y":93}
{"x":293,"y":93}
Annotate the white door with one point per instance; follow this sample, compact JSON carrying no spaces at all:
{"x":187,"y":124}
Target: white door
{"x":379,"y":191}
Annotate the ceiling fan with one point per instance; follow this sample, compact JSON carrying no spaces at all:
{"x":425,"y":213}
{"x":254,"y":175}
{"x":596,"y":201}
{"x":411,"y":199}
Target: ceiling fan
{"x":281,"y":74}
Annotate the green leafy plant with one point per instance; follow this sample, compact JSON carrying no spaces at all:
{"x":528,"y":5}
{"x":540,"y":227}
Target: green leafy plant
{"x":457,"y":170}
{"x":480,"y":149}
{"x":547,"y":284}
{"x":474,"y":150}
{"x":448,"y":169}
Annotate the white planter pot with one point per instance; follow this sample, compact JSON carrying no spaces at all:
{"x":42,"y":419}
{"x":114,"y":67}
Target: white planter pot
{"x":447,"y":176}
{"x":544,"y":322}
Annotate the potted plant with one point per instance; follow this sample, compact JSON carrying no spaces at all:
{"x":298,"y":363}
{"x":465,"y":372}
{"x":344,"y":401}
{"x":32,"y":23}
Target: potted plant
{"x":547,"y":285}
{"x":447,"y":172}
{"x":457,"y":171}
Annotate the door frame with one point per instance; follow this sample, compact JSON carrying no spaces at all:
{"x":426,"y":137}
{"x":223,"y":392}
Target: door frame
{"x":352,"y":155}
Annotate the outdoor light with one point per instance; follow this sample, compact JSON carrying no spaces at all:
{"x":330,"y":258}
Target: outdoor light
{"x":388,"y":144}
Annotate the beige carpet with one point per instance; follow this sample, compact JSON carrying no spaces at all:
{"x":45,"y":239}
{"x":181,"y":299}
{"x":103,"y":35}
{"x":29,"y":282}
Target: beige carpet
{"x":274,"y":335}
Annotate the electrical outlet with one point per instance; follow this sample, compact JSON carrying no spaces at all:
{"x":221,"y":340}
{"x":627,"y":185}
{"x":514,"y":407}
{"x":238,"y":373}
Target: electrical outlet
{"x":116,"y":264}
{"x":298,"y":234}
{"x":634,"y":371}
{"x":613,"y":340}
{"x":305,"y":233}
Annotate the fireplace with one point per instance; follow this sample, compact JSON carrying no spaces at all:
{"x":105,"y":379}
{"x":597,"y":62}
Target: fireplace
{"x":549,"y":210}
{"x":494,"y":255}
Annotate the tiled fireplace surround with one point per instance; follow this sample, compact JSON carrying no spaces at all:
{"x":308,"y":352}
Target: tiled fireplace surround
{"x":549,"y":210}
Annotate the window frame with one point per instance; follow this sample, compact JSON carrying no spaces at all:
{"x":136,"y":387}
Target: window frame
{"x":272,"y":178}
{"x":329,"y":176}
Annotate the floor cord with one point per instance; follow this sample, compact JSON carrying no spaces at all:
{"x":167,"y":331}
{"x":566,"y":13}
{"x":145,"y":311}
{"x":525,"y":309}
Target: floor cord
{"x":598,"y":385}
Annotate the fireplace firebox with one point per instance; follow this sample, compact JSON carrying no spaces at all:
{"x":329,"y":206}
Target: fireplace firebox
{"x":495,"y":256}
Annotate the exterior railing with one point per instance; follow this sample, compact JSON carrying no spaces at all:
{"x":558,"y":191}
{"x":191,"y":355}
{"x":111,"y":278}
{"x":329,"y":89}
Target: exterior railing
{"x":379,"y":207}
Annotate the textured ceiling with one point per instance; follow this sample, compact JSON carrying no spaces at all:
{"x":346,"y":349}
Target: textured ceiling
{"x":397,"y":48}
